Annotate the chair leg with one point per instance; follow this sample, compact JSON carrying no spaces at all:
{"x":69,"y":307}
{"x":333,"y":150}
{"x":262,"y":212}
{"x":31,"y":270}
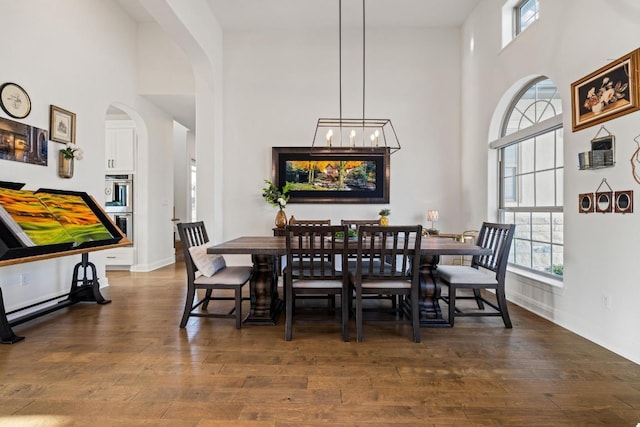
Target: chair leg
{"x":187,"y":307}
{"x":205,"y":304}
{"x":345,"y":314}
{"x":504,"y":311}
{"x":288,"y":315}
{"x":359,"y":331}
{"x":415,"y":315}
{"x":478,"y":296}
{"x":452,"y":304}
{"x":238,"y":308}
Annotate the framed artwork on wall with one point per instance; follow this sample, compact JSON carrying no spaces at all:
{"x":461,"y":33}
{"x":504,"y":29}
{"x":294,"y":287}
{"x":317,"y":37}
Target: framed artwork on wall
{"x":607,"y":93}
{"x":333,"y":175}
{"x":62,"y":125}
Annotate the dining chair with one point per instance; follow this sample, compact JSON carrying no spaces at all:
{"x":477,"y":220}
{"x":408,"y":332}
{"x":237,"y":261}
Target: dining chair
{"x":399,"y":246}
{"x":209,"y":272}
{"x":354,"y":224}
{"x":485,"y":272}
{"x":310,"y":222}
{"x":316,"y":264}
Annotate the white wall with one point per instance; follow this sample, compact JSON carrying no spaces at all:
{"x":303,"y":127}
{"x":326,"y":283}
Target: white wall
{"x":80,"y":55}
{"x":600,"y":250}
{"x":277,"y":85}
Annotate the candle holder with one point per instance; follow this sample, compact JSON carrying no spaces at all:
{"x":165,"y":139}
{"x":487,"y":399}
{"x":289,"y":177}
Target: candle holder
{"x":432,"y":216}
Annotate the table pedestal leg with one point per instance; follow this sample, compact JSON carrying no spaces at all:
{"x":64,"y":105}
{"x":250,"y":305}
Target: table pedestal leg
{"x":430,"y":312}
{"x":265,"y":302}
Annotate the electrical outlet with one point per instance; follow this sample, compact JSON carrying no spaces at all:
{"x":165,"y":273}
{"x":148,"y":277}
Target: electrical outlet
{"x":25,"y":279}
{"x":606,"y":301}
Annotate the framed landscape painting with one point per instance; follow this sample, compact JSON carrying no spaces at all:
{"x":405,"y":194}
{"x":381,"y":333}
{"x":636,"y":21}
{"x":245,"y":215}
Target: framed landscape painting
{"x":607,"y":93}
{"x":333,"y":175}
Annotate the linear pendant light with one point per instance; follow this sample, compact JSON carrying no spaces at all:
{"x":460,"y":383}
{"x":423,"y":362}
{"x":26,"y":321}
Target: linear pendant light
{"x":363,"y":134}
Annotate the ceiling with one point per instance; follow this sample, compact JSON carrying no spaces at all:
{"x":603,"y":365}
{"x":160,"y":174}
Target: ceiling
{"x":238,"y":15}
{"x":254,"y":15}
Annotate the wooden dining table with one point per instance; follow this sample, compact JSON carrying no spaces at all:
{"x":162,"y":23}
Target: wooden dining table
{"x":266,"y":303}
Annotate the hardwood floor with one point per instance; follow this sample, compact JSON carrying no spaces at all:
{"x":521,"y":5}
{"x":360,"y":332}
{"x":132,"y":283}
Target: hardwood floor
{"x":128,"y":364}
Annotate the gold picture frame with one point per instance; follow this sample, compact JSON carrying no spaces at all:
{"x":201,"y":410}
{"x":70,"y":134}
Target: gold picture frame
{"x":62,"y":125}
{"x":607,"y":93}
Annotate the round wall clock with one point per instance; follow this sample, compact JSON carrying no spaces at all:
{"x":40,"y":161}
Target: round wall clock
{"x":14,"y":101}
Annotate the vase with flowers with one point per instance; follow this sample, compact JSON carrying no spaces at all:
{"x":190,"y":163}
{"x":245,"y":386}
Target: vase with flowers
{"x":66,"y":158}
{"x":277,"y":198}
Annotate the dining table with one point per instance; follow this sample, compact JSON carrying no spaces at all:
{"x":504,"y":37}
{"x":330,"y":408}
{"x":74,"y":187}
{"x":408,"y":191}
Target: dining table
{"x":265,"y":301}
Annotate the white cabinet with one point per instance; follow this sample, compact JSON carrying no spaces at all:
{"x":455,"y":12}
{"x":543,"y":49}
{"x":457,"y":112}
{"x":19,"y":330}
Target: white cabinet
{"x":120,"y":146}
{"x":119,"y":258}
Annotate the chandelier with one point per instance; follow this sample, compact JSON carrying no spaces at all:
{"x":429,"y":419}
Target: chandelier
{"x":354,"y":134}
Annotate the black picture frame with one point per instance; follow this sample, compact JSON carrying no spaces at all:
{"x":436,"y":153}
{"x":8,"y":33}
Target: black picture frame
{"x":369,"y":167}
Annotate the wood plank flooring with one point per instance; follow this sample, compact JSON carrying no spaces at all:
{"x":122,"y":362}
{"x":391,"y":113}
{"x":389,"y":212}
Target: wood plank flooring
{"x":128,"y":364}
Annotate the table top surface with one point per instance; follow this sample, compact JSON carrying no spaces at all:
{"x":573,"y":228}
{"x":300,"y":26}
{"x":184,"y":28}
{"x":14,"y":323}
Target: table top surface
{"x":276,"y":245}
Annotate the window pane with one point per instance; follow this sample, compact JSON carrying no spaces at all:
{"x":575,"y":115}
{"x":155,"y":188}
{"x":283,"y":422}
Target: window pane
{"x":559,"y":146}
{"x":528,"y":13}
{"x":509,"y":195}
{"x":559,"y":187}
{"x":545,"y":188}
{"x":541,"y":227}
{"x":557,"y":263}
{"x":525,"y":185}
{"x":527,"y":153}
{"x":522,"y":252}
{"x":545,"y":151}
{"x":541,"y":257}
{"x":523,"y":225}
{"x":557,"y":228}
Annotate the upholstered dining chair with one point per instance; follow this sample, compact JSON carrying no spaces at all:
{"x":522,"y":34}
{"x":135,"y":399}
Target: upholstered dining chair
{"x":485,"y":272}
{"x":399,"y":246}
{"x":209,"y":272}
{"x":316,"y":261}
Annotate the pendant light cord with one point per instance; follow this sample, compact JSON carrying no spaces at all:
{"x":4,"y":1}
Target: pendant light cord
{"x":363,"y":63}
{"x":340,"y":62}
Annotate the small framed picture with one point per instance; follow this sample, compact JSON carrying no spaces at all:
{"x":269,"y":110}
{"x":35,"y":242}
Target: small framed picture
{"x":607,"y":93}
{"x":585,"y":203}
{"x":623,"y":201}
{"x":62,"y":125}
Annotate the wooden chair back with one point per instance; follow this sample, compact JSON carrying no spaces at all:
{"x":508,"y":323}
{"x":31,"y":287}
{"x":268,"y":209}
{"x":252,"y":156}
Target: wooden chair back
{"x":398,"y":246}
{"x":314,"y":252}
{"x":498,"y":238}
{"x":191,"y":234}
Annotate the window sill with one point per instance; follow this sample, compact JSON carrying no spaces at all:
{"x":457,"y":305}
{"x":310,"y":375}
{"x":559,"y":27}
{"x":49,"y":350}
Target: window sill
{"x":534,"y":279}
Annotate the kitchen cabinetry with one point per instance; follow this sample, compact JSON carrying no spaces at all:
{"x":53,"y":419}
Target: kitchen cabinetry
{"x":120,"y":146}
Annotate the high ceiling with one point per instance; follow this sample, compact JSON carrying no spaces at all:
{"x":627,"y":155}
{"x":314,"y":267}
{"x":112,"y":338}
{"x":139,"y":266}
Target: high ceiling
{"x":289,"y":14}
{"x":248,"y":15}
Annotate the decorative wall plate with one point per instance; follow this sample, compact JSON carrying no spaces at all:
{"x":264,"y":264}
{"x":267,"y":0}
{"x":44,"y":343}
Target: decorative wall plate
{"x":15,"y":101}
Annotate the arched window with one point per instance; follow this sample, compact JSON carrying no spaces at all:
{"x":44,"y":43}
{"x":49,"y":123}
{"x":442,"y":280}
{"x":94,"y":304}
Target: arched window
{"x":531,"y":168}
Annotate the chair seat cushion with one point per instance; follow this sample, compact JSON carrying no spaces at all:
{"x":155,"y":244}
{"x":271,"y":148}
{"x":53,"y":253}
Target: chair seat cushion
{"x":386,"y":284}
{"x":207,"y":264}
{"x":319,"y":284}
{"x":460,"y":274}
{"x":227,"y":276}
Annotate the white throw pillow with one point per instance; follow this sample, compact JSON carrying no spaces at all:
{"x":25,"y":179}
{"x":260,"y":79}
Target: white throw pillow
{"x":207,"y":264}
